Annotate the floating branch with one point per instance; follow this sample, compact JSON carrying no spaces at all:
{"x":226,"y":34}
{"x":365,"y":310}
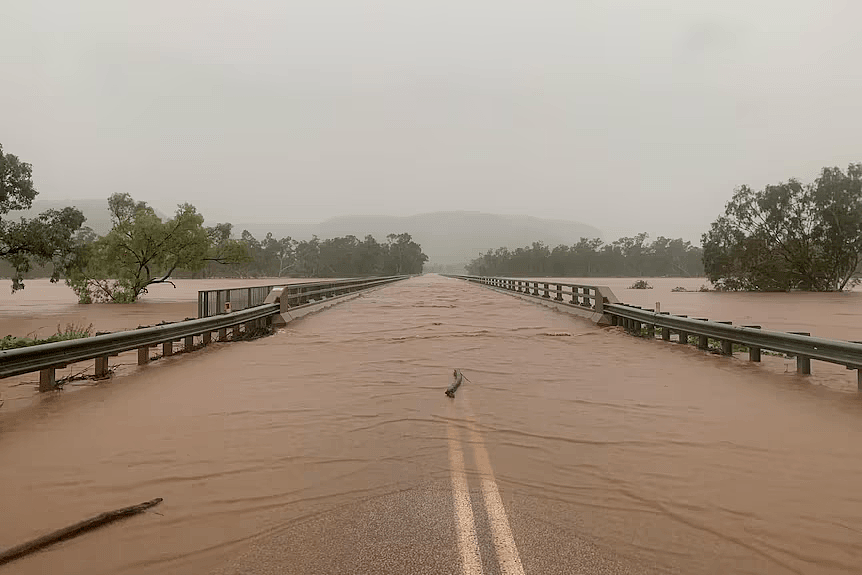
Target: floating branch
{"x":456,"y":383}
{"x":74,"y":530}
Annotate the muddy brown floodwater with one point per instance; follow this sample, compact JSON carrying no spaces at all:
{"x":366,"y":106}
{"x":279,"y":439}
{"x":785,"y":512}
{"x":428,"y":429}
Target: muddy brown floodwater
{"x":674,"y":459}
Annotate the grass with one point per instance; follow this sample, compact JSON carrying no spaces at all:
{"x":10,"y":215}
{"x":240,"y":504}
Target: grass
{"x":71,"y":331}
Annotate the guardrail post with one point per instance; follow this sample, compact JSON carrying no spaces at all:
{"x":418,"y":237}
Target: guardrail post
{"x":47,"y":379}
{"x":189,"y":343}
{"x":683,"y":335}
{"x":547,"y":295}
{"x":101,"y":366}
{"x":753,"y":352}
{"x":559,"y":293}
{"x":726,"y":345}
{"x":143,"y":355}
{"x":665,"y":333}
{"x":222,"y":334}
{"x":587,"y":301}
{"x":207,"y":337}
{"x":650,"y":330}
{"x":167,"y":348}
{"x":803,"y":362}
{"x":859,"y":379}
{"x":702,"y":340}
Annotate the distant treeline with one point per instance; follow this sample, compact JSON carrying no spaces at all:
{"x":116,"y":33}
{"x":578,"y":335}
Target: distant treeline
{"x":334,"y":257}
{"x":630,"y":257}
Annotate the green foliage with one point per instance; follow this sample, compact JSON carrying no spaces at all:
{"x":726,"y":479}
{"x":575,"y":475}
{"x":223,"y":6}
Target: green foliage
{"x":142,"y":250}
{"x":46,"y":239}
{"x":789,"y":236}
{"x":346,"y":256}
{"x":592,"y":258}
{"x":71,"y":331}
{"x":640,"y":284}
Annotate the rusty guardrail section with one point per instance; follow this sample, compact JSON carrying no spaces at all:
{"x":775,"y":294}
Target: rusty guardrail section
{"x":649,"y":323}
{"x":47,"y":358}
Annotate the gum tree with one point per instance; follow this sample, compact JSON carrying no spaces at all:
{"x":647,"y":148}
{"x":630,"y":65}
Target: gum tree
{"x":49,"y":238}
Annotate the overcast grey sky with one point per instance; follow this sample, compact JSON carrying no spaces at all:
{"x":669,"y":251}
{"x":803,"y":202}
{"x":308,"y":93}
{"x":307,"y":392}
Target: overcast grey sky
{"x":630,"y":116}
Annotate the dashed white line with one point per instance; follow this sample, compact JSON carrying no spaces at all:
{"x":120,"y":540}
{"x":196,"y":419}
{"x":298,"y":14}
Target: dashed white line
{"x":465,"y":525}
{"x":504,"y":543}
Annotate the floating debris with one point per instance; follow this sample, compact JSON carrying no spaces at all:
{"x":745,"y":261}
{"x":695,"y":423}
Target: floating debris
{"x":456,"y":383}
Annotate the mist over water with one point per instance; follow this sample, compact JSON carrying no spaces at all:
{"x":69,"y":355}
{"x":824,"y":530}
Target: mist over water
{"x":676,"y":460}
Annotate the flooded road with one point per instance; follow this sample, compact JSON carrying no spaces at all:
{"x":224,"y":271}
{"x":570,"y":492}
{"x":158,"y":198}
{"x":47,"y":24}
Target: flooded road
{"x":657,"y":457}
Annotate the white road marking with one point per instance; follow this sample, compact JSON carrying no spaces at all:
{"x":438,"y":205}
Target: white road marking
{"x":465,"y":525}
{"x":501,"y":532}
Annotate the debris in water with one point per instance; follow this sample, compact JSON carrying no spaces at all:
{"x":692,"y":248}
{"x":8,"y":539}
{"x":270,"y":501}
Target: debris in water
{"x":73,"y":530}
{"x":456,"y":383}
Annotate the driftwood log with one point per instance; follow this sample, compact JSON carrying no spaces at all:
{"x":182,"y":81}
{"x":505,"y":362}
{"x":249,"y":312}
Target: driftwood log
{"x":74,"y":530}
{"x":456,"y":383}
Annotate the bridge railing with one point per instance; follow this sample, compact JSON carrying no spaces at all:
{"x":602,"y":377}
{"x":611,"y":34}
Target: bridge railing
{"x":592,"y":297}
{"x":47,"y":358}
{"x":221,"y":301}
{"x":723,"y":335}
{"x":803,"y":346}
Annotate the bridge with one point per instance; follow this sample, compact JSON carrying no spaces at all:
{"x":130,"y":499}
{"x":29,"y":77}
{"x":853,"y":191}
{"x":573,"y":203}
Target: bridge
{"x":571,"y":447}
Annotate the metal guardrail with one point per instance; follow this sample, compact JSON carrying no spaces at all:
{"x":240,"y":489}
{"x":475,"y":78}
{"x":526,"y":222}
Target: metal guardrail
{"x":635,"y":320}
{"x":46,"y":358}
{"x":582,"y":295}
{"x":212,"y":302}
{"x":221,"y":301}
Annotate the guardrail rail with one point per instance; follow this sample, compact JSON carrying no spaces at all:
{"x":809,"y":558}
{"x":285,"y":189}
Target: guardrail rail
{"x":47,"y":358}
{"x":649,"y":323}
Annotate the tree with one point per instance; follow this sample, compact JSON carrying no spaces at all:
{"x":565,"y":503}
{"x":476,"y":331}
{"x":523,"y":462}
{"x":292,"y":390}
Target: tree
{"x":405,"y":255}
{"x":591,"y":258}
{"x":279,"y":255}
{"x":789,"y":235}
{"x":838,"y":202}
{"x":142,"y":250}
{"x":308,"y":258}
{"x":48,"y":238}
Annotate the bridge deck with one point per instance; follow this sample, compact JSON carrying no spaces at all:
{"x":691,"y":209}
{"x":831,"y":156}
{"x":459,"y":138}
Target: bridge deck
{"x":331,"y":448}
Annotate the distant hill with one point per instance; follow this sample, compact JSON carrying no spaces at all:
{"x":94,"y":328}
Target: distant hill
{"x":96,"y":212}
{"x":448,"y":238}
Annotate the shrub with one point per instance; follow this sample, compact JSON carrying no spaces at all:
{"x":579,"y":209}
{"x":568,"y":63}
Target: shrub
{"x":640,"y":284}
{"x":71,"y":331}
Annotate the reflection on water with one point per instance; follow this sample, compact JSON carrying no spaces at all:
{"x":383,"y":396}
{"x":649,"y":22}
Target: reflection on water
{"x":693,"y":463}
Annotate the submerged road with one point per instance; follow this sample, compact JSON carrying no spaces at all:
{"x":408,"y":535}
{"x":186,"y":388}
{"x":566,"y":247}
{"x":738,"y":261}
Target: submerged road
{"x":331,"y":448}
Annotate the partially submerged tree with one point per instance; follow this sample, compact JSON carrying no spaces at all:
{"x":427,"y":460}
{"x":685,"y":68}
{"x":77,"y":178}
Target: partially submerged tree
{"x":142,"y":250}
{"x":47,"y":238}
{"x":789,"y":235}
